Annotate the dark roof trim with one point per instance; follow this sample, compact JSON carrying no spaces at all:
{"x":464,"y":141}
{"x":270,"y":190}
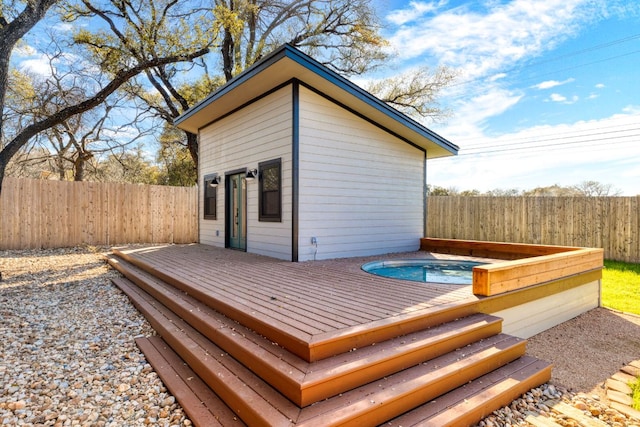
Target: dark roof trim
{"x":288,"y":51}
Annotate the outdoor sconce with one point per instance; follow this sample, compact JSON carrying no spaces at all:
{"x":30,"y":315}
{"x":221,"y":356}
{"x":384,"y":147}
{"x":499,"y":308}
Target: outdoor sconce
{"x":252,"y":174}
{"x":214,"y":181}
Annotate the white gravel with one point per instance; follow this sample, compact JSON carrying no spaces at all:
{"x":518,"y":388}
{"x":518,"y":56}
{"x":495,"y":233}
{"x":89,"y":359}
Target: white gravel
{"x":67,"y":354}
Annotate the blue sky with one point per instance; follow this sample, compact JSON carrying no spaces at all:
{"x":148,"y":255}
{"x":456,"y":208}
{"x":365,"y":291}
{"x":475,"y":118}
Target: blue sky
{"x":548,"y":91}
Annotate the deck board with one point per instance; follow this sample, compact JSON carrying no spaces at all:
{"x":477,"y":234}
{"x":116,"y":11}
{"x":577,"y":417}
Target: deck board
{"x":306,"y":300}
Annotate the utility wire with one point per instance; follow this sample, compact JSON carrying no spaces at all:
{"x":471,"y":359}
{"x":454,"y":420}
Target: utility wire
{"x":558,"y":146}
{"x":523,"y":138}
{"x":554,"y":138}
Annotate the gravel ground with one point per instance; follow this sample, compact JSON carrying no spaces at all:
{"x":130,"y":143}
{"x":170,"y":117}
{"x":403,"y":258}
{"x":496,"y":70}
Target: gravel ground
{"x":68,"y":356}
{"x":588,"y":349}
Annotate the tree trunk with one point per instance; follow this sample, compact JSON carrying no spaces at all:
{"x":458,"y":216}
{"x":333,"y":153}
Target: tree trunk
{"x":228,"y":49}
{"x":192,"y":145}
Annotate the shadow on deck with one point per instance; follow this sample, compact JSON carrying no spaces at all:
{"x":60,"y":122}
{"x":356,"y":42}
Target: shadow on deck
{"x":319,"y":343}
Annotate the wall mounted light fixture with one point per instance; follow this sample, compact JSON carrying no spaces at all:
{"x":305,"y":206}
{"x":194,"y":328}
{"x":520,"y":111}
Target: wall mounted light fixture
{"x":252,"y":174}
{"x":214,"y":181}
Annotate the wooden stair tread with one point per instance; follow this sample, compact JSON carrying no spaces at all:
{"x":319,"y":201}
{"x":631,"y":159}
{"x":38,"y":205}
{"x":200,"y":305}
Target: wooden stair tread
{"x":398,"y":393}
{"x":200,"y":403}
{"x":304,"y":382}
{"x":474,"y":401}
{"x":257,"y":403}
{"x":253,"y":400}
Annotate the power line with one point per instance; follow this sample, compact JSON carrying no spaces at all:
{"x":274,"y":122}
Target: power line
{"x":558,"y":146}
{"x":535,"y":153}
{"x":554,"y":138}
{"x":521,"y":138}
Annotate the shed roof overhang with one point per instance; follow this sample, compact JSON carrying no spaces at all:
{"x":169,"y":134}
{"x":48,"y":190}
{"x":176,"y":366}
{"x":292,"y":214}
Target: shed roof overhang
{"x":289,"y":63}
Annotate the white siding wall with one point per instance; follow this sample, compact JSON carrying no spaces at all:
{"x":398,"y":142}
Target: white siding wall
{"x":361,"y":189}
{"x":529,"y":319}
{"x":261,"y":131}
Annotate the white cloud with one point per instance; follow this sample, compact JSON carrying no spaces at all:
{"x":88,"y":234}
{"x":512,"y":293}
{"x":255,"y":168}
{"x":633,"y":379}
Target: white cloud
{"x":37,"y":64}
{"x":483,"y":42}
{"x":552,"y":83}
{"x":498,"y":76}
{"x":603,"y":150}
{"x":416,"y":9}
{"x":24,"y":50}
{"x":472,"y":113}
{"x":488,"y":43}
{"x":556,"y":97}
{"x":43,"y":65}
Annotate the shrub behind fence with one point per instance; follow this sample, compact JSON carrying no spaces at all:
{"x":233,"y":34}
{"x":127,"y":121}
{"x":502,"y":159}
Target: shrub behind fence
{"x":611,"y":223}
{"x":50,"y":214}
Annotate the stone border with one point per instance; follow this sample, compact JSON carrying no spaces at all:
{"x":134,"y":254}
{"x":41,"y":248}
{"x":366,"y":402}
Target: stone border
{"x":619,"y":392}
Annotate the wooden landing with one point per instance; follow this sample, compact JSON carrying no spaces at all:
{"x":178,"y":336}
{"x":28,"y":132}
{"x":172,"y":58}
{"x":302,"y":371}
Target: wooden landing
{"x":314,"y":309}
{"x":383,"y":355}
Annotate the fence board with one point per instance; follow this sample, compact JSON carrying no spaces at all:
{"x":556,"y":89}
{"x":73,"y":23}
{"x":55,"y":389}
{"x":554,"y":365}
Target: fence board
{"x":611,"y":223}
{"x":47,"y":214}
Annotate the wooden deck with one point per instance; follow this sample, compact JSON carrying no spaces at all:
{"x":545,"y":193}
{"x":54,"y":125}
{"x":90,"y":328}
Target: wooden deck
{"x":315,"y":309}
{"x":320,"y":343}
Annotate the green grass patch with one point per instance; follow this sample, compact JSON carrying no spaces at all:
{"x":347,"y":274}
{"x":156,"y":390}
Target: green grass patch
{"x":621,"y":286}
{"x":635,"y":386}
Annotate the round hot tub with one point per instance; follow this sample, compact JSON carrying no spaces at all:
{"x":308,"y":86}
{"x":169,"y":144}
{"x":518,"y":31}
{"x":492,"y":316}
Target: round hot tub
{"x":450,"y":271}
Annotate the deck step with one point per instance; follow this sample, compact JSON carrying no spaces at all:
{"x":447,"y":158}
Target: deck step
{"x":300,"y":334}
{"x":467,"y":405}
{"x":257,"y":403}
{"x":302,"y":382}
{"x":388,"y":397}
{"x":199,"y":402}
{"x":250,"y":398}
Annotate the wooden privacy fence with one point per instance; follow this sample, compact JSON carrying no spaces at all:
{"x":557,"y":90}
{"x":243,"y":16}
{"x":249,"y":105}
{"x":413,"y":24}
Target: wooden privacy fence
{"x":50,"y":214}
{"x":610,"y":223}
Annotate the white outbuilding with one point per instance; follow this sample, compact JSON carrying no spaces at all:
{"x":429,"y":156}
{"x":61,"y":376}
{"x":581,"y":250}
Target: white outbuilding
{"x":298,"y":163}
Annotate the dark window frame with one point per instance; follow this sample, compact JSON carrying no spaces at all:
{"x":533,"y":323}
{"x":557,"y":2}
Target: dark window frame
{"x":272,"y":212}
{"x":210,"y":193}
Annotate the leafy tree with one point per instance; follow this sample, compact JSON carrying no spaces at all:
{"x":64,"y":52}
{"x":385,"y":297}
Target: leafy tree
{"x":34,"y":162}
{"x":129,"y":166}
{"x":163,"y":40}
{"x":499,"y":192}
{"x":119,"y":62}
{"x":341,"y":34}
{"x":595,"y":189}
{"x":434,"y":190}
{"x":68,"y":146}
{"x":177,"y":167}
{"x":416,"y":92}
{"x":551,"y":191}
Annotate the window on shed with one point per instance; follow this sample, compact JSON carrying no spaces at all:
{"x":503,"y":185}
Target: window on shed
{"x":210,"y":197}
{"x":270,"y":191}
